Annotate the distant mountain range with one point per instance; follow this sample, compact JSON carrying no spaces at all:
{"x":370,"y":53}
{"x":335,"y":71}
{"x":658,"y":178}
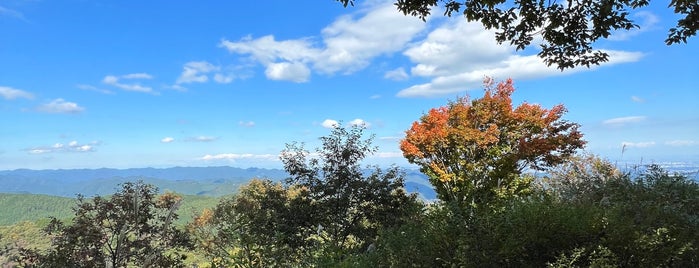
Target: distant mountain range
{"x":198,"y":181}
{"x":202,"y":181}
{"x":209,"y":181}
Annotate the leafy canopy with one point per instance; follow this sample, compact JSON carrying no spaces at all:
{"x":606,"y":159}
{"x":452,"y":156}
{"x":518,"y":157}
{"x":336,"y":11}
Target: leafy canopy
{"x":568,"y":29}
{"x":350,"y":204}
{"x":329,"y":208}
{"x":476,"y":150}
{"x":133,"y":227}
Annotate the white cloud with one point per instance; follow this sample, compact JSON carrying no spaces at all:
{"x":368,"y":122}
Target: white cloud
{"x":71,"y":147}
{"x":110,"y":79}
{"x":267,"y":50}
{"x":454,"y":56}
{"x":202,"y":138}
{"x":286,"y":71}
{"x":246,"y":123}
{"x":134,"y":86}
{"x":196,"y":72}
{"x":423,"y":70}
{"x":9,"y":93}
{"x":682,"y":143}
{"x":397,"y":74}
{"x":359,"y":122}
{"x":346,"y":46}
{"x":329,"y":123}
{"x":201,"y":71}
{"x":60,"y":106}
{"x":232,"y":157}
{"x":374,"y":97}
{"x":167,"y":140}
{"x":457,"y":54}
{"x":515,"y":67}
{"x":223,"y":79}
{"x":624,"y":120}
{"x":352,"y":41}
{"x":455,"y":47}
{"x":644,"y":144}
{"x":137,"y":76}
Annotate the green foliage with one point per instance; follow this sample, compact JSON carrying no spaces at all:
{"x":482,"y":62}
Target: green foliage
{"x":132,"y":227}
{"x":329,"y":210}
{"x":16,"y":208}
{"x":653,"y":220}
{"x":616,"y":220}
{"x":567,"y":29}
{"x":349,"y":207}
{"x":23,"y":234}
{"x":261,"y":226}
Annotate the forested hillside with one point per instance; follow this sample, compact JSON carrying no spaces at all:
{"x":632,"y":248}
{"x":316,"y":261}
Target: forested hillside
{"x":16,"y":208}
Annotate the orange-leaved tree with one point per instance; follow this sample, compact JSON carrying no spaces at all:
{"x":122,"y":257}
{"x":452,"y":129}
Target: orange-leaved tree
{"x":474,"y":151}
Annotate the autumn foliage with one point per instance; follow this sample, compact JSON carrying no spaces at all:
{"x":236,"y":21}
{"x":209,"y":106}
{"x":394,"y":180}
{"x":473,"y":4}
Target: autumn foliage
{"x":475,"y":151}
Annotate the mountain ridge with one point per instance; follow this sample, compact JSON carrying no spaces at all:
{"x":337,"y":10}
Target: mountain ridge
{"x":201,"y":181}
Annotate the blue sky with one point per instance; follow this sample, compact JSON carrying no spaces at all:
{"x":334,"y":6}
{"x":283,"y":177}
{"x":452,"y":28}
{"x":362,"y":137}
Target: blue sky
{"x":119,"y":84}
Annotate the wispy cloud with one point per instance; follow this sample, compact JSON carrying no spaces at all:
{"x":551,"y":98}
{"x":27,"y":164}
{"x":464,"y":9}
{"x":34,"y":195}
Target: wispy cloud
{"x":196,"y":72}
{"x":115,"y":81}
{"x":644,"y":144}
{"x":9,"y":93}
{"x":60,"y":106}
{"x":93,"y":88}
{"x":137,"y":76}
{"x":246,"y":123}
{"x":202,"y":71}
{"x":682,"y":143}
{"x":71,"y":147}
{"x":223,"y":79}
{"x":637,"y":99}
{"x":202,"y":139}
{"x":397,"y":74}
{"x":4,"y":11}
{"x":624,"y":120}
{"x":167,"y":140}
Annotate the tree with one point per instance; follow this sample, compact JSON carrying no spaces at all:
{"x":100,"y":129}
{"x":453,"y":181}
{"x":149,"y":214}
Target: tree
{"x":263,"y":225}
{"x":328,"y":208}
{"x":474,"y":152}
{"x":133,"y":227}
{"x":568,"y":29}
{"x":349,"y":204}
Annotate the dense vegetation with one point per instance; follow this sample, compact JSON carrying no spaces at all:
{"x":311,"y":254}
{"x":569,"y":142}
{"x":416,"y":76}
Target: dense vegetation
{"x":16,"y":208}
{"x":331,"y":212}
